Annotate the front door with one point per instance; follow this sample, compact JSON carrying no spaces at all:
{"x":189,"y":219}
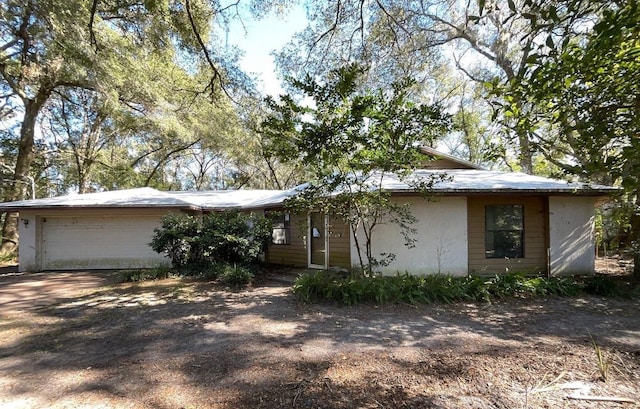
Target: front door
{"x":317,"y":240}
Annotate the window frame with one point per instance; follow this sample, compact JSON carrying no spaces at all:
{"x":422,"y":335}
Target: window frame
{"x":494,"y":233}
{"x":280,"y":218}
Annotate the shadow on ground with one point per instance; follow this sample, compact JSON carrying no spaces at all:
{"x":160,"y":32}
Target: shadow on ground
{"x":180,"y":343}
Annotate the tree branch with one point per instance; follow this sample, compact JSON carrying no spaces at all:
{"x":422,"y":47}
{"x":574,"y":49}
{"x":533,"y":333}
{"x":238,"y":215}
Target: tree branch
{"x":216,"y":73}
{"x":92,"y":34}
{"x":165,"y":158}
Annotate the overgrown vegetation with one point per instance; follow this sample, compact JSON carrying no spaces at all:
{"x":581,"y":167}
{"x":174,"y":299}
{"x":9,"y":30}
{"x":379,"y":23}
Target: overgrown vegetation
{"x":438,"y":288}
{"x":221,"y":244}
{"x":9,"y":257}
{"x":236,"y":275}
{"x":143,"y":274}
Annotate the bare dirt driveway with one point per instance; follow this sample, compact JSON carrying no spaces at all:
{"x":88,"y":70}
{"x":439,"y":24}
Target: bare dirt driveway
{"x":82,"y":340}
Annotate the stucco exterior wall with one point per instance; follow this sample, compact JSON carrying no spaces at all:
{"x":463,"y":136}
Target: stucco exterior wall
{"x":571,"y":235}
{"x":441,"y":245}
{"x":27,"y":248}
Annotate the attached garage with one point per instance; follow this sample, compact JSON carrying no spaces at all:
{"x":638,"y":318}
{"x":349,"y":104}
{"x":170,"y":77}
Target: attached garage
{"x":111,"y":230}
{"x":92,"y":242}
{"x":108,"y":230}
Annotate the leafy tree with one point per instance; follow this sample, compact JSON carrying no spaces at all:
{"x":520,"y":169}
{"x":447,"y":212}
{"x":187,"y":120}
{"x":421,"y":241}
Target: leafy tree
{"x":350,"y":142}
{"x":49,"y":45}
{"x":585,"y":89}
{"x":482,"y":40}
{"x":130,"y":61}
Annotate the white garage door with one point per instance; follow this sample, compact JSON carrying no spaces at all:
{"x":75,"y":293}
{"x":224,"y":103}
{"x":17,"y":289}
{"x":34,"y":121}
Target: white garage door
{"x":70,"y":243}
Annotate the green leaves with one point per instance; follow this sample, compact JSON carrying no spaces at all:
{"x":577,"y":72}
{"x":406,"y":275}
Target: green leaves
{"x":586,"y":92}
{"x":440,"y":288}
{"x":345,"y":138}
{"x":225,"y":238}
{"x":342,"y":128}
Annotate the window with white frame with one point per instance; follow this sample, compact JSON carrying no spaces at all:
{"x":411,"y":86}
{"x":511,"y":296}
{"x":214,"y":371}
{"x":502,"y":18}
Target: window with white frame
{"x":281,"y":222}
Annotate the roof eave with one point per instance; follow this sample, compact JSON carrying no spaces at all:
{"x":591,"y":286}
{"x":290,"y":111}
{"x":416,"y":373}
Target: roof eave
{"x":115,"y":206}
{"x":546,"y":192}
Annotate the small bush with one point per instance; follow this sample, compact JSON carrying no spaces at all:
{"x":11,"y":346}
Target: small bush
{"x":9,"y":257}
{"x":312,"y":287}
{"x":177,"y":239}
{"x":236,"y":276}
{"x":601,"y":285}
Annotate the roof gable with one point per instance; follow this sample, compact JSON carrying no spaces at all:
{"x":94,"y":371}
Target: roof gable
{"x":442,"y":160}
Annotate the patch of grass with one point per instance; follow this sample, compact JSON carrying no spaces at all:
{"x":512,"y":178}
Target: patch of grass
{"x":9,"y":257}
{"x":602,"y":362}
{"x":155,"y":273}
{"x":439,"y":288}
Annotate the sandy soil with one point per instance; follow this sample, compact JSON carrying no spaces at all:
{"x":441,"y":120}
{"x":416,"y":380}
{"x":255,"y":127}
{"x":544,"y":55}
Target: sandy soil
{"x":81,"y":340}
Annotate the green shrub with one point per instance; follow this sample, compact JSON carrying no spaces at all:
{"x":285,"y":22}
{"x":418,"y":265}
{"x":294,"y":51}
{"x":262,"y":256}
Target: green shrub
{"x":235,"y":238}
{"x":601,"y":285}
{"x":562,"y":286}
{"x":236,"y":275}
{"x":196,"y":246}
{"x":437,"y":288}
{"x":314,"y":286}
{"x":476,"y":288}
{"x":177,"y":238}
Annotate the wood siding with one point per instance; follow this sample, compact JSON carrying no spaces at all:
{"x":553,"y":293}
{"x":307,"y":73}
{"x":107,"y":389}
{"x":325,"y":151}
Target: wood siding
{"x":295,"y":253}
{"x":536,"y":237}
{"x":339,"y":243}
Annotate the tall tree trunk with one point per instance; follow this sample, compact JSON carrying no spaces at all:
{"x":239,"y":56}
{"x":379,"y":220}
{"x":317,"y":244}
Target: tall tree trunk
{"x":526,"y":158}
{"x":18,"y":188}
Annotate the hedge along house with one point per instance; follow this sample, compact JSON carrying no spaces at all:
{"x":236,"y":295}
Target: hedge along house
{"x":477,"y":221}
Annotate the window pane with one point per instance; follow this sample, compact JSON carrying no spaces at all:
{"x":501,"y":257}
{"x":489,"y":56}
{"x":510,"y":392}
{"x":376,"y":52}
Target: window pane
{"x":504,"y":244}
{"x":505,"y":217}
{"x":280,"y":236}
{"x":281,"y":233}
{"x":504,"y":234}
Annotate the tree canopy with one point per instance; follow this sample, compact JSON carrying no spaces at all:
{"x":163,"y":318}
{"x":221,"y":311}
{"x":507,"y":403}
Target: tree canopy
{"x":105,"y":70}
{"x":349,"y":142}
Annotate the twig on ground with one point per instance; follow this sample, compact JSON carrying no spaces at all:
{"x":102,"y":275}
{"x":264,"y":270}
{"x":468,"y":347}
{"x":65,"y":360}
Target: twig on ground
{"x":618,"y":399}
{"x":299,"y":388}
